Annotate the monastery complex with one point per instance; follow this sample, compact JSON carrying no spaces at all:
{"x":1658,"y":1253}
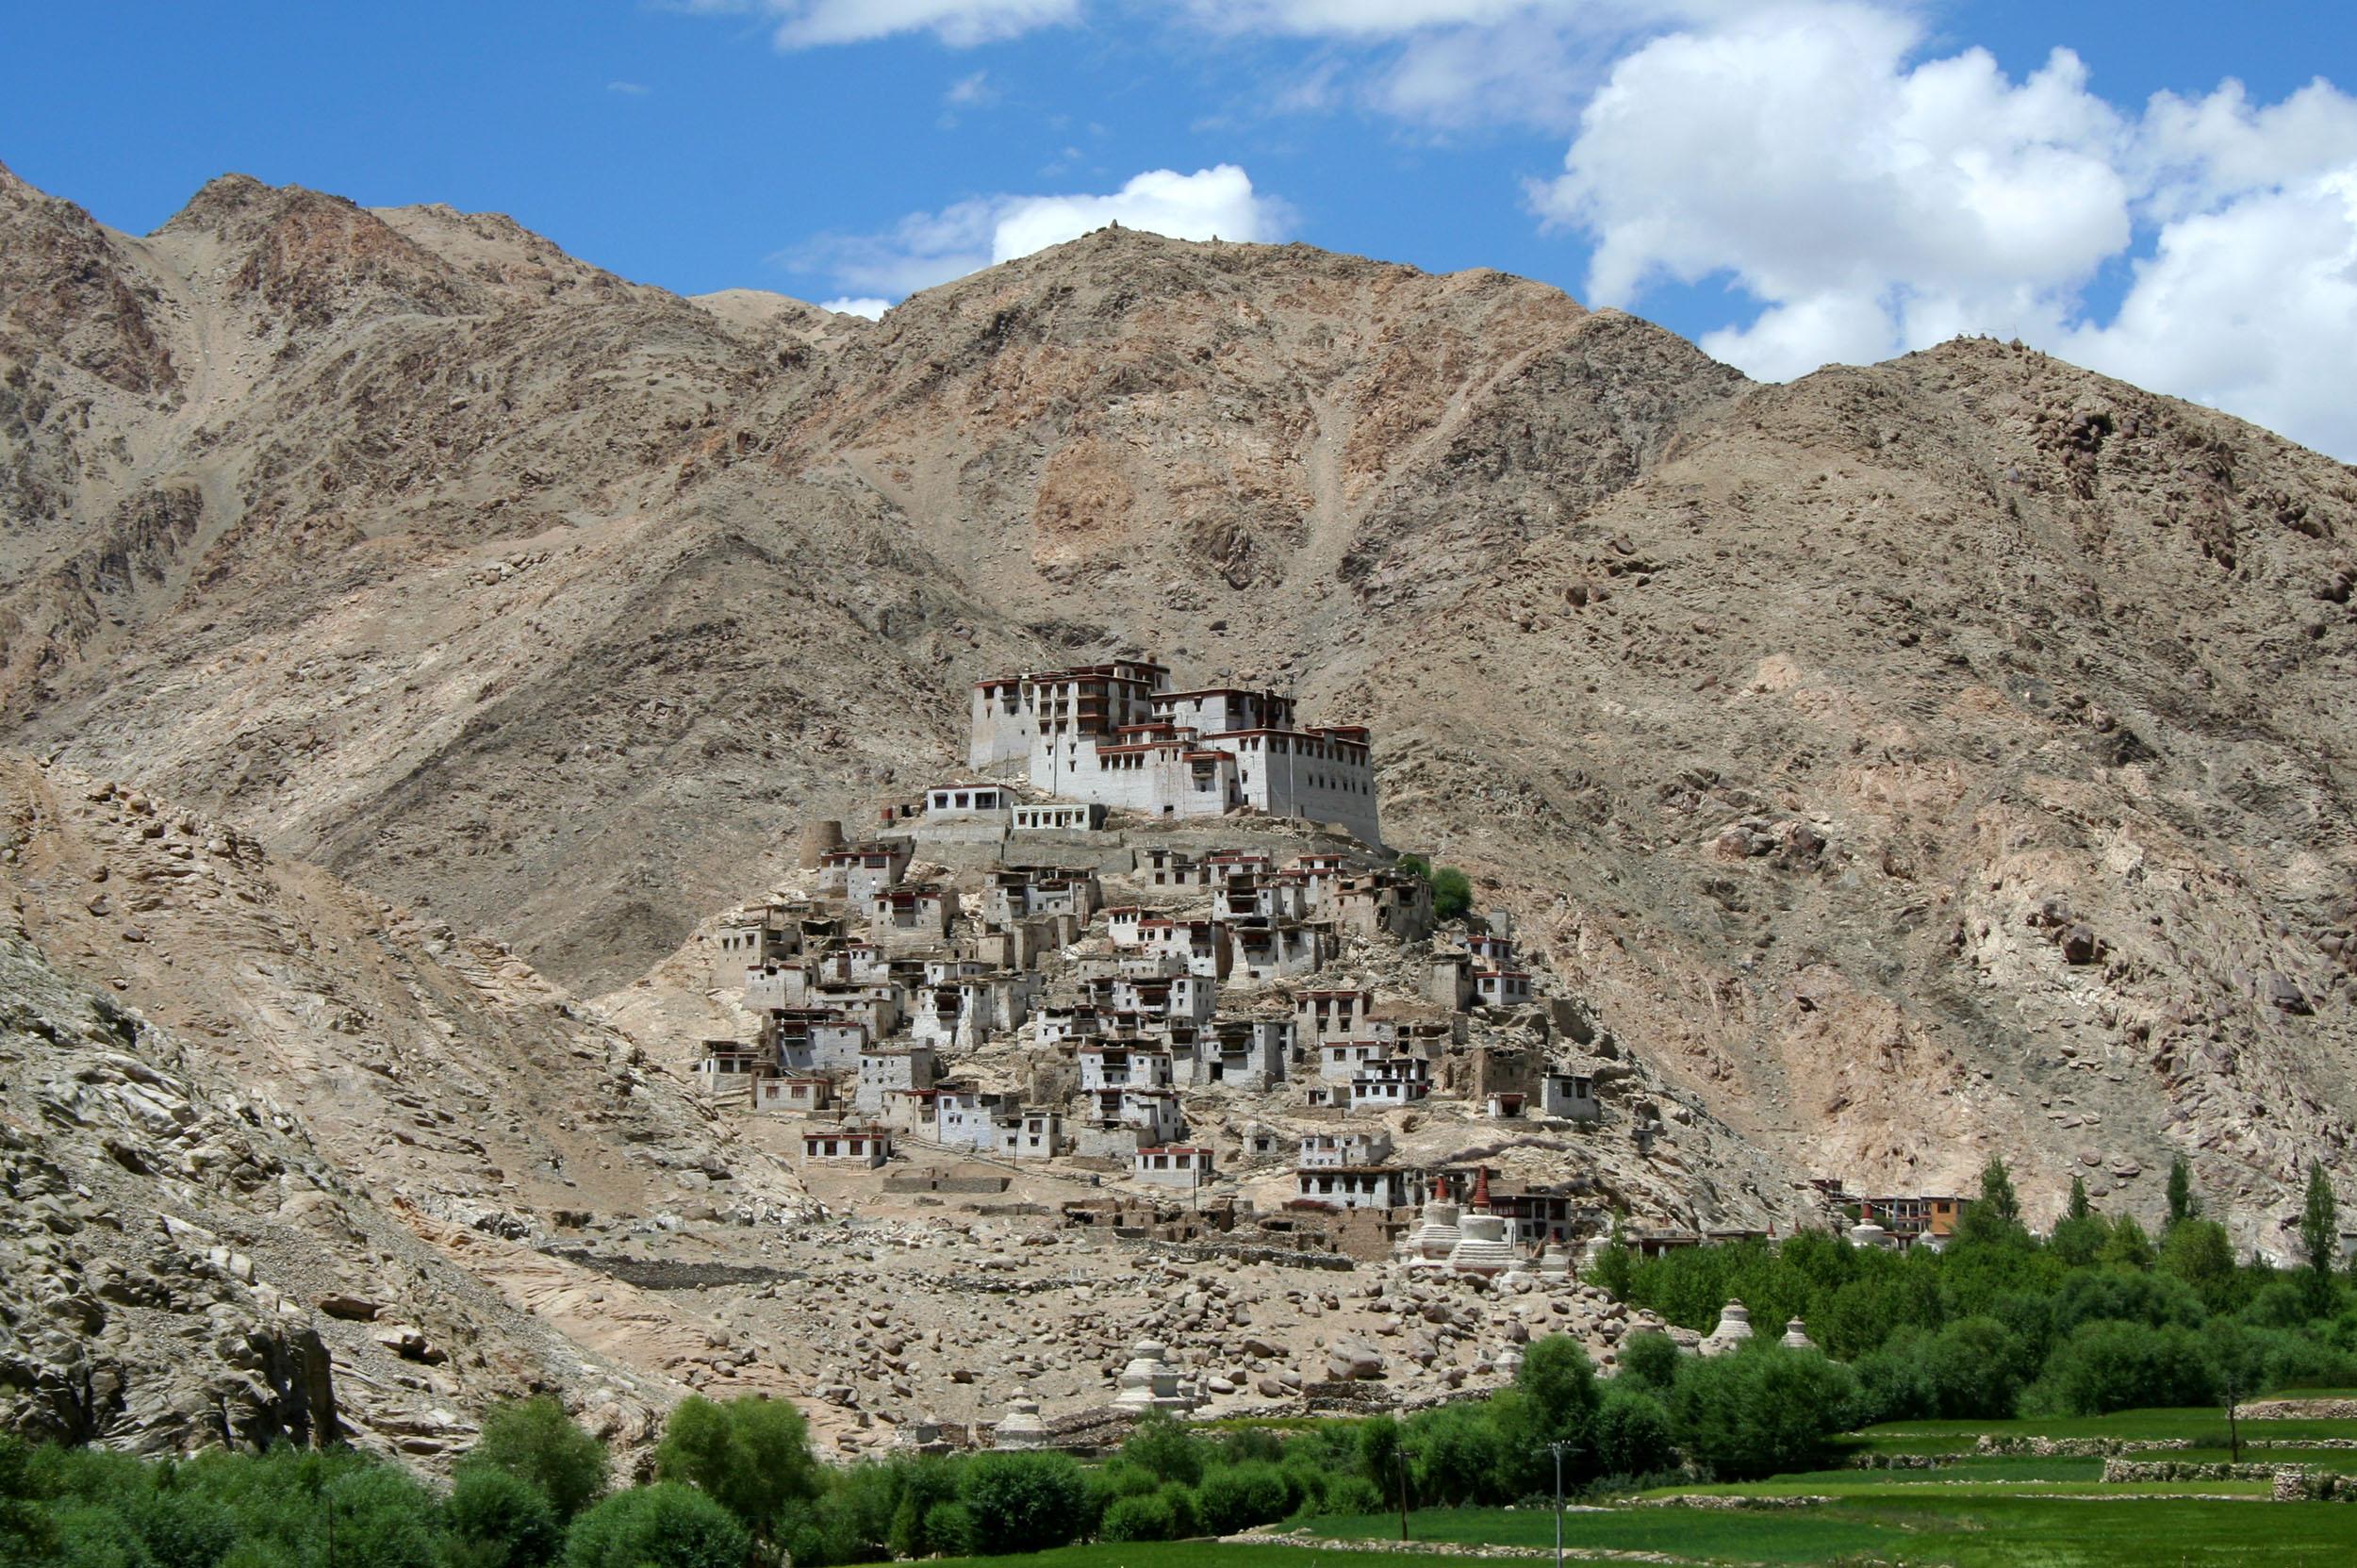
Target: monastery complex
{"x":1153,"y":944}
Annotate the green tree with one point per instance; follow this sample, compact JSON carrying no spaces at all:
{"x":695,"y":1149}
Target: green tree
{"x":2078,"y":1207}
{"x":1996,"y":1215}
{"x":1630,"y":1434}
{"x":2184,"y":1203}
{"x":1452,"y":894}
{"x":2128,"y":1246}
{"x":1238,"y":1496}
{"x":752,"y":1456}
{"x":26,"y":1533}
{"x":1165,"y":1449}
{"x":382,"y":1519}
{"x":2199,"y":1252}
{"x":1559,"y":1382}
{"x":1023,"y":1502}
{"x":1649,"y":1360}
{"x":534,"y":1441}
{"x":2320,"y":1236}
{"x":663,"y":1525}
{"x":2114,"y":1365}
{"x":497,"y":1519}
{"x":1759,"y":1413}
{"x":1144,"y":1517}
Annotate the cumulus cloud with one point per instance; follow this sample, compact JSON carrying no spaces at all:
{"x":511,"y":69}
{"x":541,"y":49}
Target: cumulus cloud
{"x":871,"y":308}
{"x":927,"y":248}
{"x":1871,"y":202}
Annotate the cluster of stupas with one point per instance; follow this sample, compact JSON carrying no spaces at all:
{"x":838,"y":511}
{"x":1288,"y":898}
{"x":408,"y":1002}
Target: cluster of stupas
{"x":1471,"y":1239}
{"x":1735,"y":1328}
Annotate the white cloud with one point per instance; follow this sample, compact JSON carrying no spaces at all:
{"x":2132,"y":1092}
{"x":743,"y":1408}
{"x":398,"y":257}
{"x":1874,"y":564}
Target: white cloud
{"x":2251,"y":307}
{"x":628,"y":90}
{"x":1872,"y":202}
{"x":927,"y":248}
{"x":961,"y":24}
{"x":871,"y":308}
{"x":973,"y":92}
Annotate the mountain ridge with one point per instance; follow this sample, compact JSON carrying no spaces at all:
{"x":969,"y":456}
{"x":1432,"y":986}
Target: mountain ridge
{"x":1797,"y":717}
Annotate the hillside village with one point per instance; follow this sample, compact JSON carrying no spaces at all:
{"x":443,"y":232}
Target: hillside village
{"x":1165,"y":1001}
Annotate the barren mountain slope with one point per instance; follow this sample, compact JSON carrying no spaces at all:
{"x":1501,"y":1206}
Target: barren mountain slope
{"x":554,"y":602}
{"x":367,"y":1104}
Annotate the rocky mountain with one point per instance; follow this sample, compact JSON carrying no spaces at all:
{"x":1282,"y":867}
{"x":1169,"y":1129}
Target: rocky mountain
{"x":1914,"y":762}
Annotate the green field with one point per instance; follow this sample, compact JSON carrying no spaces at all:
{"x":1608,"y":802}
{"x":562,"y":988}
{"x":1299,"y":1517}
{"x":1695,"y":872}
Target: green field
{"x":1973,"y":1512}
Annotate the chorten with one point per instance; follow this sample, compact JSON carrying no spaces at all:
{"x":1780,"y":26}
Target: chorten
{"x":1149,"y":1383}
{"x":1436,"y":1233}
{"x":1021,"y":1426}
{"x":1734,"y":1327}
{"x":1555,"y":1263}
{"x":1796,"y":1336}
{"x":1481,"y":1246}
{"x":1867,"y":1234}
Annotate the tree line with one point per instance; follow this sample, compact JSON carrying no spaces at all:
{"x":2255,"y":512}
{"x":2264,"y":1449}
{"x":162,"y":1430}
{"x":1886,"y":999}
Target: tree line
{"x":2098,"y":1315}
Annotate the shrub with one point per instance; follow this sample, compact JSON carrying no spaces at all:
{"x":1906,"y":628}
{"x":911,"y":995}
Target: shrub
{"x":1559,"y":1381}
{"x":1460,"y":1456}
{"x":1239,"y":1496}
{"x":752,"y":1456}
{"x":949,"y":1530}
{"x":1754,"y":1415}
{"x":1629,"y":1435}
{"x":2116,"y":1365}
{"x":499,"y":1520}
{"x":1351,"y":1495}
{"x":1023,"y":1502}
{"x":1140,"y":1517}
{"x":534,"y":1441}
{"x":1649,"y":1362}
{"x":663,"y":1525}
{"x":1186,"y":1509}
{"x":1165,"y":1450}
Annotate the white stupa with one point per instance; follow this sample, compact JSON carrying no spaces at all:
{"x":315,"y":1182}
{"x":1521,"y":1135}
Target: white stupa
{"x":1867,"y":1234}
{"x":1021,"y":1426}
{"x":1555,"y":1263}
{"x":1796,"y":1336}
{"x":1437,"y":1234}
{"x":1734,"y":1327}
{"x":1149,"y":1382}
{"x":1482,"y":1246}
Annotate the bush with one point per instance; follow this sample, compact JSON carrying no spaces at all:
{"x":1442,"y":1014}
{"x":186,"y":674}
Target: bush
{"x":1139,"y":1517}
{"x":1754,"y":1415}
{"x":1559,"y":1381}
{"x":534,"y":1441}
{"x":499,"y":1520}
{"x":1649,"y":1360}
{"x":752,"y":1456}
{"x":663,"y":1525}
{"x":1461,"y":1457}
{"x":1023,"y":1502}
{"x":2107,"y":1366}
{"x":1186,"y":1509}
{"x":1165,"y":1450}
{"x":949,"y":1530}
{"x":1239,"y":1496}
{"x":1351,"y":1495}
{"x":1629,"y":1435}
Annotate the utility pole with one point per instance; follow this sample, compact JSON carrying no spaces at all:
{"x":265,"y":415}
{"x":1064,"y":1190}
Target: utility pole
{"x":1557,"y":1449}
{"x":2234,"y":1432}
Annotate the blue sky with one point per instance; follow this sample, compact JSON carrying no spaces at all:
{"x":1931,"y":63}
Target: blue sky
{"x":1786,"y":183}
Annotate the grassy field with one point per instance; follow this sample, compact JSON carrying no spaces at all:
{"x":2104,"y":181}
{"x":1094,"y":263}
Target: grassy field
{"x":1976,"y":1512}
{"x":1928,"y":1526}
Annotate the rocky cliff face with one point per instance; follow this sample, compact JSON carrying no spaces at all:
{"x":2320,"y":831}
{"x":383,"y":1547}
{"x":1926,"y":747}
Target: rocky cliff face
{"x":1916,"y":762}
